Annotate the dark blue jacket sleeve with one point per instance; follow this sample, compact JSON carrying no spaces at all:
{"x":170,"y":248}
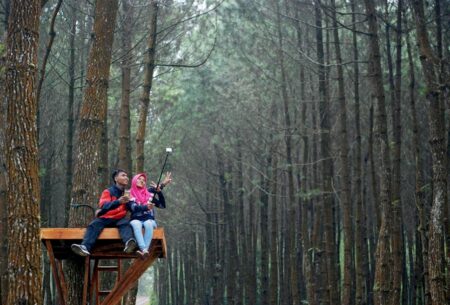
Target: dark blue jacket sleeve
{"x":159,"y":202}
{"x":134,"y":207}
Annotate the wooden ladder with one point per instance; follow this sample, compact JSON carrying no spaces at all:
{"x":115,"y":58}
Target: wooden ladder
{"x":96,"y":292}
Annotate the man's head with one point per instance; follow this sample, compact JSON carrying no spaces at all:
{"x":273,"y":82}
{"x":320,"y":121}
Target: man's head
{"x":120,"y":177}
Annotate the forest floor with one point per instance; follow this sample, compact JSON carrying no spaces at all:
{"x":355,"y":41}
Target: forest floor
{"x":142,"y":300}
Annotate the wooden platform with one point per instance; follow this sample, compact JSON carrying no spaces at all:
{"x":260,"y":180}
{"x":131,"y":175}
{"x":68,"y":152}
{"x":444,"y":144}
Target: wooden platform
{"x":108,"y":246}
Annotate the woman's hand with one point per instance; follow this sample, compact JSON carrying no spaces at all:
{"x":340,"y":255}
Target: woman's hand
{"x":167,"y":178}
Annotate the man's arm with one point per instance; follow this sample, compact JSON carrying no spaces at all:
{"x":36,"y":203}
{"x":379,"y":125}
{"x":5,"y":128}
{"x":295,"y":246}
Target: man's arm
{"x":106,"y":204}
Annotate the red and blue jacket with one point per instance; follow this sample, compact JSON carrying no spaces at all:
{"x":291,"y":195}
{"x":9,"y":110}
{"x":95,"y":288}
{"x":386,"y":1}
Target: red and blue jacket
{"x":110,"y":205}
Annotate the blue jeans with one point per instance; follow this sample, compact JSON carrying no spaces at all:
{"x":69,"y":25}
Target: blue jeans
{"x":96,"y":227}
{"x":144,"y":240}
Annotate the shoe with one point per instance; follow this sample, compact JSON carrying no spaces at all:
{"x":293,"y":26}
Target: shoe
{"x":80,"y":250}
{"x":141,"y":253}
{"x":130,"y":245}
{"x":146,"y":254}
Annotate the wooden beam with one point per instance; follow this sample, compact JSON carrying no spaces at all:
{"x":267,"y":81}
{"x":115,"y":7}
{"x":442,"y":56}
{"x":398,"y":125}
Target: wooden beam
{"x":87,"y":271}
{"x":133,"y":273}
{"x":55,"y":272}
{"x":62,"y":278}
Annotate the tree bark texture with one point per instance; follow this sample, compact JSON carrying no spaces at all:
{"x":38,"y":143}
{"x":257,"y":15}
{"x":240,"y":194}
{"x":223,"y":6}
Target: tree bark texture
{"x":345,"y":196}
{"x":3,"y":182}
{"x":327,"y":169}
{"x":382,"y":282}
{"x":435,"y":97}
{"x":397,"y":222}
{"x":148,"y":78}
{"x":124,"y":128}
{"x":23,"y":194}
{"x":70,"y":116}
{"x":92,"y":118}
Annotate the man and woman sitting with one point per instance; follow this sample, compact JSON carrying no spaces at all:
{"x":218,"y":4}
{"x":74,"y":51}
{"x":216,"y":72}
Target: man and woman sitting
{"x":114,"y":204}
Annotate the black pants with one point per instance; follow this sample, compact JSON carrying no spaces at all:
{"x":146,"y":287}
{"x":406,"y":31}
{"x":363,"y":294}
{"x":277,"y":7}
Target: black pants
{"x":97,"y":225}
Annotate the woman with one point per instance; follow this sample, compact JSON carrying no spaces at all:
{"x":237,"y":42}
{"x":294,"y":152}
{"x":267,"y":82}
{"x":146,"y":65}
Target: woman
{"x":142,"y":212}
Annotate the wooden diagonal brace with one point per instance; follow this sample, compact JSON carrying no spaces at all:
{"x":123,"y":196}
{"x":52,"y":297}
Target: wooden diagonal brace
{"x":56,"y":273}
{"x":133,"y":273}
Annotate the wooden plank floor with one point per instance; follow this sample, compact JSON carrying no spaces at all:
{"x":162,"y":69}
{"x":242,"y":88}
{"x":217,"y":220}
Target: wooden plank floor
{"x":108,"y":245}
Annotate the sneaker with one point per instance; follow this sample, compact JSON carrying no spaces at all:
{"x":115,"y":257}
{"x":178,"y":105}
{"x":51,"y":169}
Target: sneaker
{"x":130,"y":245}
{"x":146,"y":254}
{"x":80,"y":250}
{"x":141,"y":253}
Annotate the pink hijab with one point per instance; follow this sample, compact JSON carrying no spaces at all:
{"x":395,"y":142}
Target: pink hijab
{"x":141,"y":194}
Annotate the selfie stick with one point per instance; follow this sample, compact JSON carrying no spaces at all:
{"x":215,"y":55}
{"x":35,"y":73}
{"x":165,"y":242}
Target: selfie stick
{"x":168,"y":151}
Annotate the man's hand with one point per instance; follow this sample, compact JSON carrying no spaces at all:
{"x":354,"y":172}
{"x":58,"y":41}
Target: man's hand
{"x":124,"y":199}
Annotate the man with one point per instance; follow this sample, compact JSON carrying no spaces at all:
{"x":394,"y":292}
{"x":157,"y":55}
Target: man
{"x":113,"y":205}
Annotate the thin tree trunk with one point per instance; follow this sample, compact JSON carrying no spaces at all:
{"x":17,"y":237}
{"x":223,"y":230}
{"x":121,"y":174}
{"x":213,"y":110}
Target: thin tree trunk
{"x":397,"y":240}
{"x":345,"y":172}
{"x":148,"y":77}
{"x":52,"y":35}
{"x":242,"y":228}
{"x":372,"y":224}
{"x":125,"y":162}
{"x":327,"y":167}
{"x":263,"y":223}
{"x":70,"y":117}
{"x":360,"y":220}
{"x":382,"y":273}
{"x":124,"y":126}
{"x":291,"y":234}
{"x":23,"y":195}
{"x":273,"y":291}
{"x":230,"y":236}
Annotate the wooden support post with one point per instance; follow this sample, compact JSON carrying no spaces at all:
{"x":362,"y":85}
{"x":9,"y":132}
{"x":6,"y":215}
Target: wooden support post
{"x":94,"y":284}
{"x":62,"y":278}
{"x":86,"y":279}
{"x":133,"y":273}
{"x":51,"y":257}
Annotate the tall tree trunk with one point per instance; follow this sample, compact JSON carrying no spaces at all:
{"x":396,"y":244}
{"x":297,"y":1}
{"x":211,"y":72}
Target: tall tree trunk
{"x":327,"y":168}
{"x":372,"y":224}
{"x":360,"y":220}
{"x":291,"y":233}
{"x":229,"y":223}
{"x":3,"y":175}
{"x":70,"y":116}
{"x":306,"y":205}
{"x":23,"y":194}
{"x":242,"y":227}
{"x":348,"y":279}
{"x":435,"y":96}
{"x":382,"y":272}
{"x":92,"y":117}
{"x":124,"y":127}
{"x":148,"y":77}
{"x":397,"y":222}
{"x":421,"y":203}
{"x":274,"y":265}
{"x":264,"y":230}
{"x":125,"y":161}
{"x":251,"y":280}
